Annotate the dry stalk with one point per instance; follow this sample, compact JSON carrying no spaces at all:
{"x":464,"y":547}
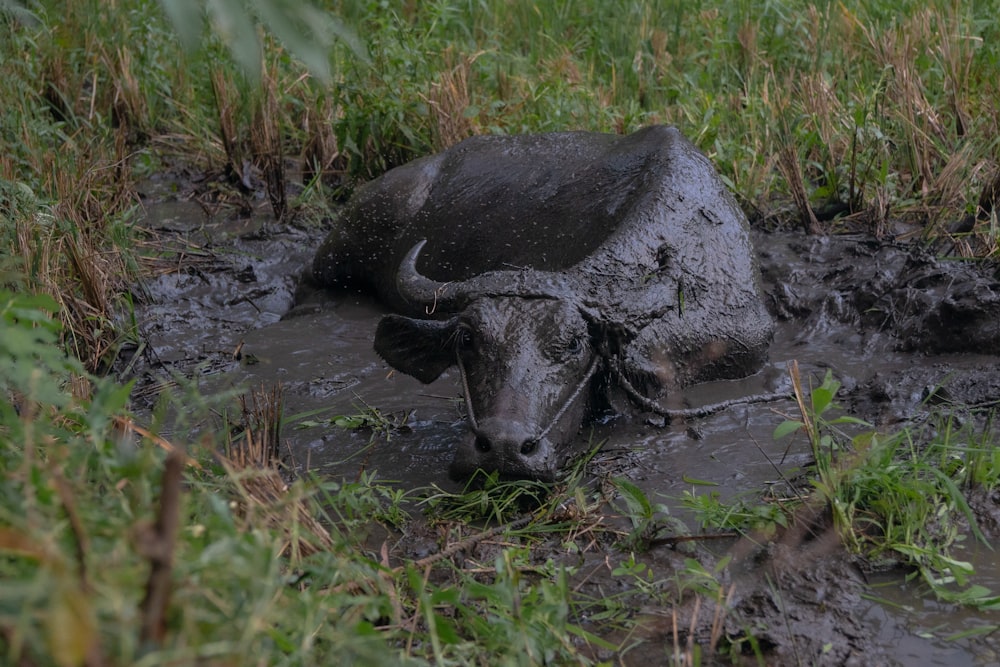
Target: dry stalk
{"x":58,"y":89}
{"x":158,"y":545}
{"x":260,"y":446}
{"x":81,"y":541}
{"x":66,"y":254}
{"x":125,"y":428}
{"x":690,"y":637}
{"x":749,"y":53}
{"x":951,"y":184}
{"x":254,"y":464}
{"x":467,"y":543}
{"x":721,"y":607}
{"x":955,"y":52}
{"x":265,"y":142}
{"x":989,"y":198}
{"x":448,"y":99}
{"x":827,"y":114}
{"x":129,"y":110}
{"x":321,"y":156}
{"x":877,"y":212}
{"x":899,"y":51}
{"x":788,"y":165}
{"x":225,"y":106}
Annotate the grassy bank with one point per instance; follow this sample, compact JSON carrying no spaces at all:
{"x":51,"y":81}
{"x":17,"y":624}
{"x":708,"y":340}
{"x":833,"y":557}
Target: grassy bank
{"x":830,"y":116}
{"x":119,"y":547}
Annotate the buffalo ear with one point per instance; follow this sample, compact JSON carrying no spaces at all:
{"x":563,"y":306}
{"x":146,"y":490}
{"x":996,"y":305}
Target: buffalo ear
{"x":420,"y":348}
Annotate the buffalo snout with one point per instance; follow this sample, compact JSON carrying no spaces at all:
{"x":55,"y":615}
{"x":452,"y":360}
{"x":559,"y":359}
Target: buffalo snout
{"x":508,"y":446}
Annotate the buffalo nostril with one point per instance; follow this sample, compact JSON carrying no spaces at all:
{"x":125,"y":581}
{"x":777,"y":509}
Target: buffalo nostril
{"x":529,"y":447}
{"x":482,"y":444}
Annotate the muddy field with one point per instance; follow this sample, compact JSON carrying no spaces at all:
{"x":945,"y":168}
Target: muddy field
{"x":898,"y":327}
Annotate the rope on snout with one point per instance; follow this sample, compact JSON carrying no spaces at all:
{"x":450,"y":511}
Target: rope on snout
{"x":470,"y":413}
{"x":691,"y":413}
{"x":591,"y":369}
{"x":643,"y":401}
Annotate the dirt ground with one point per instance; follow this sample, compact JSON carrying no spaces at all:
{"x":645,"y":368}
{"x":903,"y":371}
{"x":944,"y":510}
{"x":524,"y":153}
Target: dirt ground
{"x":901,"y":328}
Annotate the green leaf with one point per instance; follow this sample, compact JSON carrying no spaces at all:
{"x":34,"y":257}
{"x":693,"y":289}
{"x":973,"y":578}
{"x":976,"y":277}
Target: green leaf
{"x":638,"y":503}
{"x":187,"y":18}
{"x":787,"y":428}
{"x":698,"y":482}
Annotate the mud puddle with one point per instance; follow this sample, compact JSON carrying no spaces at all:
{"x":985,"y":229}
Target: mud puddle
{"x":225,"y":318}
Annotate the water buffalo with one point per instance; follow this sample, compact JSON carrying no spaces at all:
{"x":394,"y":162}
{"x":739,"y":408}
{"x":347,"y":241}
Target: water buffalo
{"x":553,"y":270}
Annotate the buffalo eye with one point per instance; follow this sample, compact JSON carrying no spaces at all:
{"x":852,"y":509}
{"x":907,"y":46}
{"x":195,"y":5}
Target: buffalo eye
{"x":575,"y":345}
{"x":464,"y":339}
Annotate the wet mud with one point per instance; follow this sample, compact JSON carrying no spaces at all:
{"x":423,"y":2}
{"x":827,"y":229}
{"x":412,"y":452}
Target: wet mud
{"x":902,"y":330}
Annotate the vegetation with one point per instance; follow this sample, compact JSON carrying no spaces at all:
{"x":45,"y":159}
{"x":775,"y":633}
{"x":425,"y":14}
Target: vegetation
{"x":830,"y":116}
{"x":876,"y":113}
{"x":899,"y":495}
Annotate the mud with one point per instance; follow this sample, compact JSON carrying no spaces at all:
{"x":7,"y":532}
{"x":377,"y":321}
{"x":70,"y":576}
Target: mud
{"x":927,"y":330}
{"x":901,"y":329}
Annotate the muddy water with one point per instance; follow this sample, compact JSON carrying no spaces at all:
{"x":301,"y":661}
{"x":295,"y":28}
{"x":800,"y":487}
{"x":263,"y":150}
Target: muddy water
{"x":235,"y":290}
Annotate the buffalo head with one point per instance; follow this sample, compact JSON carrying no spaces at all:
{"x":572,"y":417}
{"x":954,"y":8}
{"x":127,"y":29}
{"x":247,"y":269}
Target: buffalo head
{"x":523,"y":346}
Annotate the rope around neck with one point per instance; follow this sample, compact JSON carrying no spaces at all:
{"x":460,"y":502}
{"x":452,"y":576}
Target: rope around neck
{"x":690,"y":413}
{"x":640,"y":399}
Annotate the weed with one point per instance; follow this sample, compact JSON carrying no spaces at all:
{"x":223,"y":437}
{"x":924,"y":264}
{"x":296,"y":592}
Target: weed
{"x":742,"y":514}
{"x":486,"y":497}
{"x":366,"y":418}
{"x":898,"y":495}
{"x":648,"y":519}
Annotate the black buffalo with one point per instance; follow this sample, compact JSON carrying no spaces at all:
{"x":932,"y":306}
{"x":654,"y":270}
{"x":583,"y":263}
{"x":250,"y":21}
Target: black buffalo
{"x":553,"y":270}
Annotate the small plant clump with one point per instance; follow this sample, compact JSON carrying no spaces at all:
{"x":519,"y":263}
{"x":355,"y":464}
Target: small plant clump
{"x":900,"y":495}
{"x":895,"y":498}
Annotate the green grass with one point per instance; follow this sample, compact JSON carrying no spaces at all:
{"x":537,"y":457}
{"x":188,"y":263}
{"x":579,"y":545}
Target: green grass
{"x":884,"y":113}
{"x":259,"y":568}
{"x":895,"y":498}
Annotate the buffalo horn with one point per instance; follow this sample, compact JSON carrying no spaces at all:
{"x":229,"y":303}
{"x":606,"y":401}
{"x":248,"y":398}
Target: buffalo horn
{"x":449,"y":296}
{"x":412,"y":285}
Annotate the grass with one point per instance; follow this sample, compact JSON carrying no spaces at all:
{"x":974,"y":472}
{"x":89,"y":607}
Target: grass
{"x":878,"y":117}
{"x":831,"y":116}
{"x":896,"y":498}
{"x":121,"y":547}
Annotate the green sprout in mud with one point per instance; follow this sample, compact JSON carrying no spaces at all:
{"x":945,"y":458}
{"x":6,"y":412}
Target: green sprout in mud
{"x":898,"y":496}
{"x":486,"y":497}
{"x":649,"y":520}
{"x":743,"y":514}
{"x":366,"y":418}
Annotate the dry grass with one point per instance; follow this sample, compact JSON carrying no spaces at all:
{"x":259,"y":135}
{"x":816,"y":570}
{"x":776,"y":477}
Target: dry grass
{"x":265,"y":142}
{"x":321,"y":157}
{"x":130,"y":113}
{"x":259,"y":445}
{"x":788,"y":164}
{"x":251,"y":128}
{"x":226,"y":106}
{"x":253,"y":459}
{"x":449,"y":101}
{"x":69,"y":252}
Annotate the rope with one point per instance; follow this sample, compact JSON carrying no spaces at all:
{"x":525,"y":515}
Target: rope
{"x":692,"y":413}
{"x":471,"y":415}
